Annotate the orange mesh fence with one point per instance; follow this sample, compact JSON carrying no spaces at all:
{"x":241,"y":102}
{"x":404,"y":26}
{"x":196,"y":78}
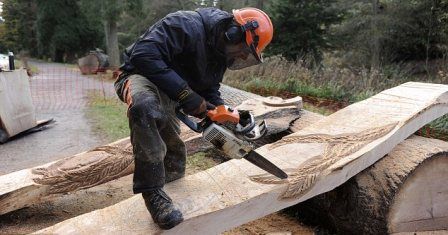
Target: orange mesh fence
{"x":58,"y":87}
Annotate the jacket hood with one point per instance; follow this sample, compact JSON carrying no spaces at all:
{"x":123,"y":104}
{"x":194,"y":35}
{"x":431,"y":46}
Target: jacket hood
{"x":215,"y":21}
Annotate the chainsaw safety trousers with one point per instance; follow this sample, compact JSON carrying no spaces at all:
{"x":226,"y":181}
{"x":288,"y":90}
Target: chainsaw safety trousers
{"x":159,"y":152}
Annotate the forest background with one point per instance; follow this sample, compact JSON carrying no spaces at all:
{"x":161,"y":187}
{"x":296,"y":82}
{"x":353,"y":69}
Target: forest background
{"x":331,"y":52}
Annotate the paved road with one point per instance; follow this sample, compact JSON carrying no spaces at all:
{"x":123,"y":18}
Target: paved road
{"x":58,"y":92}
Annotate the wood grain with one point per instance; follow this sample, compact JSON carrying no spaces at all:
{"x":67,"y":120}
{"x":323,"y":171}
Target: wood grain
{"x":105,"y":163}
{"x":224,"y":196}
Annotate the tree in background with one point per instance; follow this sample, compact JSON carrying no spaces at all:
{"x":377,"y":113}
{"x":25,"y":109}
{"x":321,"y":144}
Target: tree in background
{"x":63,"y":31}
{"x":134,"y":23}
{"x":18,"y":32}
{"x":376,"y":33}
{"x":301,"y":28}
{"x":364,"y":33}
{"x":111,"y":14}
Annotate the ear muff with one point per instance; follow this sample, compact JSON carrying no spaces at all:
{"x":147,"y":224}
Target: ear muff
{"x":234,"y":34}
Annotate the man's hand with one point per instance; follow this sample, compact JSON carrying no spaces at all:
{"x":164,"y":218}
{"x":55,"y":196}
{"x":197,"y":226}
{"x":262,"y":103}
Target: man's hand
{"x":192,"y":103}
{"x":210,"y":106}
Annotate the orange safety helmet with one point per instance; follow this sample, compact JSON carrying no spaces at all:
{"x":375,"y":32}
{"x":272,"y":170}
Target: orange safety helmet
{"x":258,"y":29}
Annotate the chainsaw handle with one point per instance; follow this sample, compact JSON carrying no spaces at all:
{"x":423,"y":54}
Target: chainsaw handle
{"x":195,"y":126}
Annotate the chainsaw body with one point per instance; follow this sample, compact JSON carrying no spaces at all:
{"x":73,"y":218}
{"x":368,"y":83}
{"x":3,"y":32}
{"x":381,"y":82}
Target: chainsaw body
{"x":226,"y":140}
{"x":232,"y":132}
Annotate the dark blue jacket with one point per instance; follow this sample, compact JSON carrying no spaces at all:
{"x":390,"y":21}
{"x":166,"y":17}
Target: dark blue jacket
{"x":181,"y":50}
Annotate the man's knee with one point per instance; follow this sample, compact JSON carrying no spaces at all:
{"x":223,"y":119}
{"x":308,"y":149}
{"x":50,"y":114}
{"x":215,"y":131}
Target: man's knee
{"x":145,"y":107}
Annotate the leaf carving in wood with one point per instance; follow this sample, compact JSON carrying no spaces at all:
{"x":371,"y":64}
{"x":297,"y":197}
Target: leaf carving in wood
{"x":69,"y":175}
{"x":301,"y":179}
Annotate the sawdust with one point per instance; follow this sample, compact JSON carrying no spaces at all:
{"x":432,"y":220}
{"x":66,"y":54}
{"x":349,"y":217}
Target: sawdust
{"x":277,"y":223}
{"x":300,"y":180}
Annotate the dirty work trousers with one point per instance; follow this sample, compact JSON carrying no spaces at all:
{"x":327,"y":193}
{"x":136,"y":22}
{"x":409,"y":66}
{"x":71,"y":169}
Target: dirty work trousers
{"x":159,"y":152}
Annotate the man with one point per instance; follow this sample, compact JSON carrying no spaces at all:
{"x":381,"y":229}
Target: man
{"x":180,"y":61}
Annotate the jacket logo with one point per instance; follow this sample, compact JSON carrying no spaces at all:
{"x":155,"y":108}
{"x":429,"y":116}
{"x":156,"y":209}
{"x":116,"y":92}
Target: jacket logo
{"x":183,"y":94}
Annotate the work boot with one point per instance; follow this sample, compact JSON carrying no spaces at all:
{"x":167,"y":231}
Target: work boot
{"x":162,"y":209}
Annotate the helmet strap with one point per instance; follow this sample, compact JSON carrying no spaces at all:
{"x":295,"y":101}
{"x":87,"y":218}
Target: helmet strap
{"x":252,"y":26}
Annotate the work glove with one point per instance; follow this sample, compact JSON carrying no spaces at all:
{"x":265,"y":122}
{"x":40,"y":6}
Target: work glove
{"x":210,"y":106}
{"x":192,"y":103}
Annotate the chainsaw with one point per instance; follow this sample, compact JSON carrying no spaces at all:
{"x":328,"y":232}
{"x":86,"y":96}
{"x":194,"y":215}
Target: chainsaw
{"x":232,"y":132}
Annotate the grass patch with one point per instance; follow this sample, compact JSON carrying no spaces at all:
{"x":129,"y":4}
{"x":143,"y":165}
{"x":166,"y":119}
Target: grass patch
{"x":31,"y":69}
{"x":109,"y":120}
{"x":331,"y":81}
{"x":315,"y":109}
{"x":202,"y":161}
{"x":333,"y":86}
{"x":108,"y":117}
{"x":437,"y":129}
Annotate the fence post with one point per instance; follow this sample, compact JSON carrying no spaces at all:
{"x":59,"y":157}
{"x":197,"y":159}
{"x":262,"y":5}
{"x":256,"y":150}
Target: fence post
{"x":11,"y":61}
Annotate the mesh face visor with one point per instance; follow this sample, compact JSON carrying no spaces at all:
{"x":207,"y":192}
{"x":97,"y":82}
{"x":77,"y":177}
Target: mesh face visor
{"x":252,"y":57}
{"x":250,"y":60}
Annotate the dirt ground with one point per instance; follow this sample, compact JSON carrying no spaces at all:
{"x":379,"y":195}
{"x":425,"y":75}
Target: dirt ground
{"x":54,"y":97}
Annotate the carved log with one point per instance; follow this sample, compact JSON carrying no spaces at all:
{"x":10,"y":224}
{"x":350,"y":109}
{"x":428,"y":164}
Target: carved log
{"x":318,"y":158}
{"x":106,"y":163}
{"x":403,"y":192}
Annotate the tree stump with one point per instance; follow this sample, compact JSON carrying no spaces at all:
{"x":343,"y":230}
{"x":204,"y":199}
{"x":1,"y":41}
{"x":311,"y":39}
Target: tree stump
{"x":96,"y":61}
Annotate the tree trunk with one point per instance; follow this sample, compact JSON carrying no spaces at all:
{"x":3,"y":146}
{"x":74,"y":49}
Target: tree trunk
{"x":112,"y":43}
{"x":260,"y":4}
{"x":375,"y":63}
{"x":403,"y":192}
{"x":106,"y":34}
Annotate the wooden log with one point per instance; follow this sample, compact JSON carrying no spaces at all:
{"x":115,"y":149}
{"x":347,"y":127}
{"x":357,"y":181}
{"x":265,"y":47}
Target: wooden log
{"x":318,"y":158}
{"x":106,"y":163}
{"x":88,"y":64}
{"x":96,"y":61}
{"x":403,"y":192}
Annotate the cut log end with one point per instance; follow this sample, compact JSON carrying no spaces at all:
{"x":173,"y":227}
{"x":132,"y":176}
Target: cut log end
{"x":404,"y":192}
{"x":421,"y":203}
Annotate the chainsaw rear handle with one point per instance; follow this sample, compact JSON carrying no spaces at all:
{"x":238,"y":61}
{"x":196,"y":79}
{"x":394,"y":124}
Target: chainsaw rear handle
{"x":195,"y":126}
